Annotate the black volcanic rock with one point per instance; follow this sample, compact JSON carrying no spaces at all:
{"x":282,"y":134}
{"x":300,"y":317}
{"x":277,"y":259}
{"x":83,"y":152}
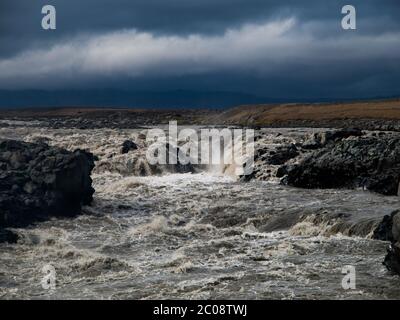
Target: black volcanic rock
{"x":384,"y":229}
{"x":38,"y":181}
{"x":8,"y":236}
{"x":389,"y":230}
{"x":128,"y":146}
{"x":282,"y":155}
{"x":392,"y":259}
{"x":320,"y":139}
{"x":370,"y":162}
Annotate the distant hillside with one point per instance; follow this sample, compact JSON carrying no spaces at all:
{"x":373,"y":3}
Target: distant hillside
{"x":281,"y":114}
{"x":372,"y":115}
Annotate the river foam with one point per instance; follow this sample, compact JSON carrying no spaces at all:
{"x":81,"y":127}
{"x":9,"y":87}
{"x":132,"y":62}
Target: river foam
{"x":202,"y":235}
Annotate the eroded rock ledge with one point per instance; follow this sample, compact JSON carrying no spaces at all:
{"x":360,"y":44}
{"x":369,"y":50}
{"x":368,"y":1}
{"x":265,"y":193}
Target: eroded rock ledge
{"x":38,"y":182}
{"x":371,"y":162}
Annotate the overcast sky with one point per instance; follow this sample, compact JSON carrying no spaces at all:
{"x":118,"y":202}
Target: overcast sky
{"x":273,"y":48}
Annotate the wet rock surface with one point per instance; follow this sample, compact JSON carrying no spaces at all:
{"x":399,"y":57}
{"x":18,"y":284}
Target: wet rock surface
{"x":320,"y":139}
{"x":276,"y":155}
{"x":38,"y":181}
{"x":389,"y":230}
{"x":8,"y":236}
{"x":371,"y":162}
{"x":128,"y":146}
{"x":282,"y":155}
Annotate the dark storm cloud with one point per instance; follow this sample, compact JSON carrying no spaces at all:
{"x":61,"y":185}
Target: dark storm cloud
{"x":269,"y":47}
{"x":20,"y":19}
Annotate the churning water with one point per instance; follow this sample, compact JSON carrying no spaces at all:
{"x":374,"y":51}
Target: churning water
{"x":197,"y":236}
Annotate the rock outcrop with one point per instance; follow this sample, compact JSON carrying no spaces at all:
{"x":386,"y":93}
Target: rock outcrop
{"x":389,"y":230}
{"x":370,"y":162}
{"x":38,"y":181}
{"x":321,"y":139}
{"x":282,"y":154}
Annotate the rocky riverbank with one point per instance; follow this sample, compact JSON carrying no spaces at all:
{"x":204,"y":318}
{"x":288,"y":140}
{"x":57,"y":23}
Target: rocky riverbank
{"x":38,"y":182}
{"x":370,"y":161}
{"x":340,"y":159}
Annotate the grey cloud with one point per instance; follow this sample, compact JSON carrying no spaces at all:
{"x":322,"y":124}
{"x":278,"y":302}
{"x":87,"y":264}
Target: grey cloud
{"x":218,"y":44}
{"x":21,"y":18}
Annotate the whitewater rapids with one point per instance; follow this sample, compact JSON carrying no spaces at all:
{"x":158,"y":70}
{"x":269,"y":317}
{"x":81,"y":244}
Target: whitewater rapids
{"x":202,"y":235}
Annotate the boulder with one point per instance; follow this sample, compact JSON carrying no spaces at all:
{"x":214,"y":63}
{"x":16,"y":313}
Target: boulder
{"x":128,"y":146}
{"x":38,"y":181}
